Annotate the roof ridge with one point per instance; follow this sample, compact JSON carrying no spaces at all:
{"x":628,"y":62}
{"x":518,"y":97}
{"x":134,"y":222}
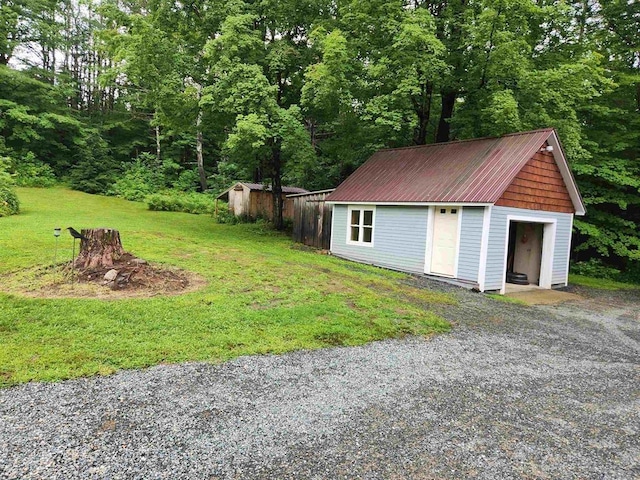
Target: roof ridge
{"x":549,"y":129}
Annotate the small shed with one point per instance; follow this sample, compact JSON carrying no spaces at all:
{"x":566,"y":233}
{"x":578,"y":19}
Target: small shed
{"x":255,"y":200}
{"x":479,"y":212}
{"x":312,"y":218}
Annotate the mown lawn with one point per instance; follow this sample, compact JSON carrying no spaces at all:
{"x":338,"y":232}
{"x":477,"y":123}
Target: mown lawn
{"x":263,"y":294}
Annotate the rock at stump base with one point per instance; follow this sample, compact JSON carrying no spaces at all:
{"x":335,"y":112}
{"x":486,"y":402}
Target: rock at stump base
{"x":111,"y":275}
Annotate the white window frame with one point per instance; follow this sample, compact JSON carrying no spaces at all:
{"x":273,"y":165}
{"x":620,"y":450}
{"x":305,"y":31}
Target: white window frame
{"x":360,"y":225}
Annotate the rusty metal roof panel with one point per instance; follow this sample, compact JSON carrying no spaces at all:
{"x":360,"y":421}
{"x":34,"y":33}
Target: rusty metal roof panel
{"x":260,"y":186}
{"x":469,"y":171}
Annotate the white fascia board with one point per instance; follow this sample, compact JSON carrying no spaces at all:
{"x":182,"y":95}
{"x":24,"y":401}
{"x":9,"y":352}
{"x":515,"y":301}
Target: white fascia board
{"x":412,"y":204}
{"x":567,"y":176}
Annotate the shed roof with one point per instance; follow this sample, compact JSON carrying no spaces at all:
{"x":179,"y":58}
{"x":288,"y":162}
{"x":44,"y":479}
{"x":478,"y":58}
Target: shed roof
{"x":467,"y":171}
{"x":262,"y":187}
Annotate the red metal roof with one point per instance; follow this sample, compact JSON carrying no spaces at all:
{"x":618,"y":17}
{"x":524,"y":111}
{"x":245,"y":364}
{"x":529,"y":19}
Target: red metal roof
{"x":468,"y":171}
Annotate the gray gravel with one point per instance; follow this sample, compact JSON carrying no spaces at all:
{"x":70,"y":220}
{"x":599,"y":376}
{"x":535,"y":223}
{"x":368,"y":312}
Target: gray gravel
{"x":512,"y":392}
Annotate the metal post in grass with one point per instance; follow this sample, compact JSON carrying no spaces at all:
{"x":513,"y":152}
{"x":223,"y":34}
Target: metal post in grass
{"x":75,"y":234}
{"x":56,"y":233}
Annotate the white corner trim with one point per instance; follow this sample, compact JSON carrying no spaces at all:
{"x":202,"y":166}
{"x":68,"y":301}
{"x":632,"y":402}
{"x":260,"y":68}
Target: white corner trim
{"x":333,"y":227}
{"x":457,"y":254}
{"x":361,"y":207}
{"x":566,"y":278}
{"x":429,"y":243}
{"x":484,"y":247}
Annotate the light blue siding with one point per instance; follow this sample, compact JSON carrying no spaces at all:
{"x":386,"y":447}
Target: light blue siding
{"x":399,"y":238}
{"x":497,"y":244}
{"x":470,"y":243}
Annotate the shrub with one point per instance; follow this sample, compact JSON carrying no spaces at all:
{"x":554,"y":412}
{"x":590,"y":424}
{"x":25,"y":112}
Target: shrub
{"x":187,"y":181}
{"x":595,"y":268}
{"x":175,"y":201}
{"x":9,"y":204}
{"x":31,"y":172}
{"x":226,"y":216}
{"x":94,"y":170}
{"x":139,"y":179}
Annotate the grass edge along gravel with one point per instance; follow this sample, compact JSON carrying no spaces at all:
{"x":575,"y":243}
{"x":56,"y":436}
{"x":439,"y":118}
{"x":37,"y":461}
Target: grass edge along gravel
{"x":263,"y":294}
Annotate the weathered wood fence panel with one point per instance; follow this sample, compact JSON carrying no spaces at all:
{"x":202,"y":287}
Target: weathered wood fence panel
{"x":312,"y":219}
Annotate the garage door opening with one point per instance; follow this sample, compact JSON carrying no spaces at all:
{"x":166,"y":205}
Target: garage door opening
{"x":524,"y":257}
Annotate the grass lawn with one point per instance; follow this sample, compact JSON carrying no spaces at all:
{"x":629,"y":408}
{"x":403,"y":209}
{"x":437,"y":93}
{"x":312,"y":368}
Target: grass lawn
{"x":600,"y":283}
{"x":263,"y":294}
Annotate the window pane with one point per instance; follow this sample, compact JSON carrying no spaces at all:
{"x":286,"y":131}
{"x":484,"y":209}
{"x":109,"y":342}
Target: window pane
{"x":454,"y":211}
{"x":368,"y":217}
{"x":355,"y":217}
{"x":354,"y":234}
{"x":443,"y":210}
{"x":367,"y":234}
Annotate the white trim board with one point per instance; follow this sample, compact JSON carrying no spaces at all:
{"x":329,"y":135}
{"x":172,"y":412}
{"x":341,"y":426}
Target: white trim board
{"x":484,"y":247}
{"x":429,"y":244}
{"x":412,"y":204}
{"x":548,"y":247}
{"x":567,"y":176}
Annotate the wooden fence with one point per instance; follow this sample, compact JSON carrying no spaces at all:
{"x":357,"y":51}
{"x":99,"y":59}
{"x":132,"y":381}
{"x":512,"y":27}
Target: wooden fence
{"x":312,"y":219}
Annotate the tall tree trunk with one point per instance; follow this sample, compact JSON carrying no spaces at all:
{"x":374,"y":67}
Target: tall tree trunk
{"x":157,"y":130}
{"x":444,"y":127}
{"x":276,"y":185}
{"x":199,"y":156}
{"x":422,"y":107}
{"x":199,"y":142}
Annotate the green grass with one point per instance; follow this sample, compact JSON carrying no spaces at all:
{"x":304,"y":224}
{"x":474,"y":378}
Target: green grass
{"x":600,"y":283}
{"x":263,"y":294}
{"x":505,"y":299}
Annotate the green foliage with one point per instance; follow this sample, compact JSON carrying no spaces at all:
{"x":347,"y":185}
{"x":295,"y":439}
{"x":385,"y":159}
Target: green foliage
{"x":94,"y":171}
{"x":594,"y":268}
{"x":256,"y":299}
{"x":31,"y":172}
{"x":178,"y":201}
{"x":9,"y":203}
{"x":140,"y":178}
{"x":226,"y":216}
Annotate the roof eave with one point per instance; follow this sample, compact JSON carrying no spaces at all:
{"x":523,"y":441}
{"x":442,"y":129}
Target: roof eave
{"x":567,"y":175}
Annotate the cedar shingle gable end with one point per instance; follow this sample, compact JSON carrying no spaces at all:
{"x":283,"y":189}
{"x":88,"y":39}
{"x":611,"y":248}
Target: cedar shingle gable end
{"x":538,"y":186}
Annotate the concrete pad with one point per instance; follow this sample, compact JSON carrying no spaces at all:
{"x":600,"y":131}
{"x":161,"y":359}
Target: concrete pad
{"x":544,"y":297}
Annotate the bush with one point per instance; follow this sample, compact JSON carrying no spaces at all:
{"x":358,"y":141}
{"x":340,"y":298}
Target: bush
{"x":94,"y":170}
{"x":31,"y":172}
{"x":596,"y":269}
{"x":9,"y":204}
{"x":225,"y":215}
{"x":140,"y":178}
{"x":175,"y":201}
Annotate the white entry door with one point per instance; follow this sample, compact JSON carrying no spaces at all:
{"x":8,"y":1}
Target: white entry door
{"x":445,"y":240}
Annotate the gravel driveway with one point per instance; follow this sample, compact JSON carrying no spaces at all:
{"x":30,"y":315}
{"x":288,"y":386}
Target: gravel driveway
{"x":512,"y":392}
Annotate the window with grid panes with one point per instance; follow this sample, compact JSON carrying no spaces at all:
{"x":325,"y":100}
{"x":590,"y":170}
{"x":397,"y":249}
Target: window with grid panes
{"x":361,"y":225}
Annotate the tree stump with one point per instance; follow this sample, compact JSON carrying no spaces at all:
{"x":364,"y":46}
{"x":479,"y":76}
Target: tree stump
{"x":99,"y":248}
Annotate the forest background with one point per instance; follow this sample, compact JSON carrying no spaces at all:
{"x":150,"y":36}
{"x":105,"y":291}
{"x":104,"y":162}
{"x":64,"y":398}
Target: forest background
{"x":131,"y":97}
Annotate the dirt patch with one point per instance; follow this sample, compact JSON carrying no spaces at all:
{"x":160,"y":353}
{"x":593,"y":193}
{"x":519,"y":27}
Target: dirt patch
{"x":544,"y":297}
{"x":129,"y":277}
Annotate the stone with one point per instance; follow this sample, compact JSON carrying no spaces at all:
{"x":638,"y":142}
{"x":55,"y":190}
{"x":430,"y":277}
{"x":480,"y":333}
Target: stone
{"x":111,"y":275}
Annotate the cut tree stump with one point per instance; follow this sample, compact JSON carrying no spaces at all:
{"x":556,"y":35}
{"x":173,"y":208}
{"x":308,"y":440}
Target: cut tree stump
{"x":100,"y":248}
